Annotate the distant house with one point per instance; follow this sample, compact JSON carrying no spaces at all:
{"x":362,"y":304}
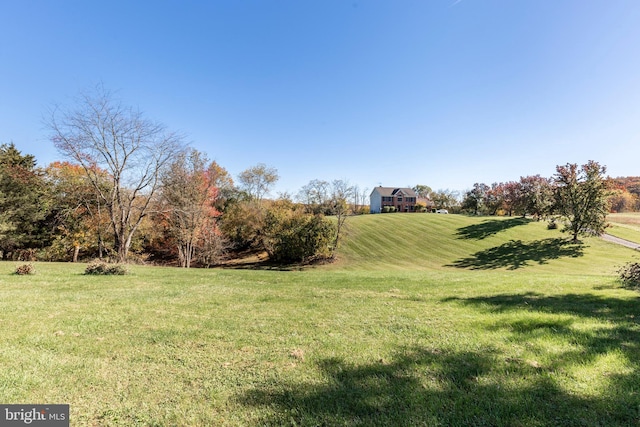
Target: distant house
{"x":398,"y":199}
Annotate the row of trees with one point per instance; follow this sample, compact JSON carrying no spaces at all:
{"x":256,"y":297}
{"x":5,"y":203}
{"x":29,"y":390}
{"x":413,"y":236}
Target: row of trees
{"x":194,"y":214}
{"x":579,"y":195}
{"x":625,"y":194}
{"x":130,"y":188}
{"x":531,"y":195}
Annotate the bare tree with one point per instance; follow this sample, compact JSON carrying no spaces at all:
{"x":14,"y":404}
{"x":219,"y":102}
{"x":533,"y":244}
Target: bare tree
{"x":365,"y":197}
{"x":258,"y":180}
{"x":341,"y":193}
{"x":101,"y":133}
{"x":446,"y":199}
{"x":315,"y":196}
{"x":359,"y":200}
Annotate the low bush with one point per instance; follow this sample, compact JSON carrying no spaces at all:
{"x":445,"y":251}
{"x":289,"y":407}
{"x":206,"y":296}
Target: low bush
{"x":25,"y":269}
{"x":103,"y":268}
{"x":630,"y":275}
{"x":291,"y":235}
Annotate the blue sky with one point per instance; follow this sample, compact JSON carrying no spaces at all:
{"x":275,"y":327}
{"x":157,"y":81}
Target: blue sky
{"x":441,"y":92}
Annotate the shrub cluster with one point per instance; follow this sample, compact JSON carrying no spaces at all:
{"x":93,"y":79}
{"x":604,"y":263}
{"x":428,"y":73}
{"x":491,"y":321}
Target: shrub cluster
{"x":293,"y":236}
{"x":630,"y":275}
{"x":25,"y":269}
{"x":103,"y":268}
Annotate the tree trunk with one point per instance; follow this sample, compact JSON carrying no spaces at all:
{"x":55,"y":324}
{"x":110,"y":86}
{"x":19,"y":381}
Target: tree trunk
{"x":122,"y":246}
{"x":100,"y":247}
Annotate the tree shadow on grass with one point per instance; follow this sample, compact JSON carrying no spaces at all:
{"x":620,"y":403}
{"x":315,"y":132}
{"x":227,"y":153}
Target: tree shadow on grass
{"x":486,"y":385}
{"x":517,"y":254}
{"x":582,"y":305}
{"x":261,"y":261}
{"x":489,"y":228}
{"x":435,"y":387}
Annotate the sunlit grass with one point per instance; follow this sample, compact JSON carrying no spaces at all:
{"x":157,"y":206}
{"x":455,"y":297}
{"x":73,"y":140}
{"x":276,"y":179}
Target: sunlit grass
{"x":625,"y":226}
{"x":442,"y":242}
{"x":408,"y":337}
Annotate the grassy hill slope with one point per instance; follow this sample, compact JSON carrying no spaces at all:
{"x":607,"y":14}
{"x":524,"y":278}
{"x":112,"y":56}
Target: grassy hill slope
{"x":439,"y":320}
{"x":625,"y":225}
{"x":457,"y":242}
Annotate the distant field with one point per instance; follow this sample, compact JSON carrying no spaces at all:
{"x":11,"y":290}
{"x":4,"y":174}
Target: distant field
{"x":437,"y":320}
{"x":625,"y":225}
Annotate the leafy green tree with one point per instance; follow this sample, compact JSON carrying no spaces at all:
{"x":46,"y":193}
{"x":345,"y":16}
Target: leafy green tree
{"x":423,"y":191}
{"x":292,"y":235}
{"x":581,"y":198}
{"x":474,"y":199}
{"x":24,"y":203}
{"x":537,"y":196}
{"x":242,"y":220}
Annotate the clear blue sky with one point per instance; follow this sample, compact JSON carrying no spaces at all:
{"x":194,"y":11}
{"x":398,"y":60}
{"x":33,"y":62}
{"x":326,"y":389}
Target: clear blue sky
{"x":393,"y":92}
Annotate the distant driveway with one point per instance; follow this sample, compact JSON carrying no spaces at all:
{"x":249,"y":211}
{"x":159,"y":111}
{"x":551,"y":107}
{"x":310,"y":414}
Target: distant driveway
{"x":619,"y":241}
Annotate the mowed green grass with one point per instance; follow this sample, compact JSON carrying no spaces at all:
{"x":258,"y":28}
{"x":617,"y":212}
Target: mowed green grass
{"x":426,"y":336}
{"x":625,"y":225}
{"x":444,"y":242}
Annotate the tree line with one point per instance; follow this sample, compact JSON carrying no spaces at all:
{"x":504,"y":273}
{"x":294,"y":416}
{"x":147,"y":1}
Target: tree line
{"x":193,"y":212}
{"x":130,"y":189}
{"x":578,"y":196}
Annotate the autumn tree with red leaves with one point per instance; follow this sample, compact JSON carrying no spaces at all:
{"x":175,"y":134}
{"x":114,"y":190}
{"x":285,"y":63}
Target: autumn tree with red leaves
{"x":190,"y":189}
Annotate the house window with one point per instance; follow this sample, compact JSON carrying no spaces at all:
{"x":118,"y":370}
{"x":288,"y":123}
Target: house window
{"x":399,"y":198}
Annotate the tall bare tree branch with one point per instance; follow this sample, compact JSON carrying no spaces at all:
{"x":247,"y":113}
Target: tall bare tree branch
{"x":101,"y":133}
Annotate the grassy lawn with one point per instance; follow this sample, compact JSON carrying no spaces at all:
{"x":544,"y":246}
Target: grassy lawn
{"x":481,"y":323}
{"x":625,"y":225}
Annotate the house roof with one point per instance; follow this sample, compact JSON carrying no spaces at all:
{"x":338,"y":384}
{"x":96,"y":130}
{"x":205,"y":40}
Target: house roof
{"x":392,"y":191}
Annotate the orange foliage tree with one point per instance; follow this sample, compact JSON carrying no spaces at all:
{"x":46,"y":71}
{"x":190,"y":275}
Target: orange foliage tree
{"x":190,"y":190}
{"x":79,"y":217}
